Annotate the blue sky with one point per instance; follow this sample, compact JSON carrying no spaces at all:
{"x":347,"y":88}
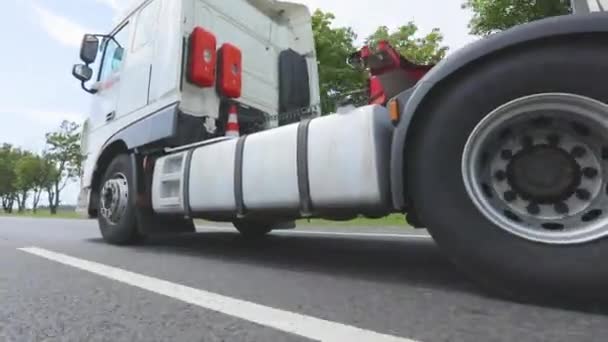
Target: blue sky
{"x":41,"y":40}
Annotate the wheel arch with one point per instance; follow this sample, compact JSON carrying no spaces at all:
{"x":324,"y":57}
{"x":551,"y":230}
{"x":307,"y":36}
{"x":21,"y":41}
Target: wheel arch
{"x":109,"y":152}
{"x":412,"y":102}
{"x":152,"y":131}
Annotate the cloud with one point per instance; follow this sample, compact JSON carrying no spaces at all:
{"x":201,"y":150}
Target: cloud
{"x":115,"y":5}
{"x":119,"y":5}
{"x":60,"y":28}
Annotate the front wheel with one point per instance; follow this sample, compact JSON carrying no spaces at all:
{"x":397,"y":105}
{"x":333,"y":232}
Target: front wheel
{"x":509,"y":170}
{"x":117,"y":220}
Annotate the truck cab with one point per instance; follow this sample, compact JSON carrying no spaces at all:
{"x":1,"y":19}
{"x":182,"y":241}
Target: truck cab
{"x":147,"y":90}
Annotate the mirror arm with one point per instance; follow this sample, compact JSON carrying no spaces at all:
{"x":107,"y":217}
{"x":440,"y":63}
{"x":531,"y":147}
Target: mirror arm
{"x":90,"y":91}
{"x":107,"y":36}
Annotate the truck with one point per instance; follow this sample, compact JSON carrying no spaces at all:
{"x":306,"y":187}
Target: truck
{"x":210,"y":109}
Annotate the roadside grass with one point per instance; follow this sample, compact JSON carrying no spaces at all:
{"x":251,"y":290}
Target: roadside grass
{"x":44,"y":213}
{"x":396,"y":220}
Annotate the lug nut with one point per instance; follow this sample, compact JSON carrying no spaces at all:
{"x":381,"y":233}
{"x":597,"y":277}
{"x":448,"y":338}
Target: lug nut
{"x":527,"y":141}
{"x":506,"y":154}
{"x":533,"y":209}
{"x":500,"y":175}
{"x":561,"y":208}
{"x":510,"y":196}
{"x":553,"y":139}
{"x":583,"y":194}
{"x":590,"y":172}
{"x":578,"y":152}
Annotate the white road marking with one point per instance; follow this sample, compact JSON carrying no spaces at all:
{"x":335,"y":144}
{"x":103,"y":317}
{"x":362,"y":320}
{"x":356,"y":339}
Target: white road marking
{"x":315,"y":232}
{"x":291,"y":322}
{"x":391,"y":235}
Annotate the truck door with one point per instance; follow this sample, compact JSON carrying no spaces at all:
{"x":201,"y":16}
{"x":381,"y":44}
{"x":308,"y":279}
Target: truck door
{"x":137,"y":72}
{"x":104,"y":107}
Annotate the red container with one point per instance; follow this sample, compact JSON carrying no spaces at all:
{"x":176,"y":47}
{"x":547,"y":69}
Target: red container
{"x":202,"y":58}
{"x":230,"y":65}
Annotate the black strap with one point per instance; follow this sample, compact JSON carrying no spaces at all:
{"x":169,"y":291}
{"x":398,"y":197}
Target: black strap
{"x":238,"y":177}
{"x":186,"y":181}
{"x":302,"y":162}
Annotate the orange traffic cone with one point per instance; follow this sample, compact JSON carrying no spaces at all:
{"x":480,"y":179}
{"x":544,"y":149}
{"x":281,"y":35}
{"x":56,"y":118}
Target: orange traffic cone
{"x":232,"y":127}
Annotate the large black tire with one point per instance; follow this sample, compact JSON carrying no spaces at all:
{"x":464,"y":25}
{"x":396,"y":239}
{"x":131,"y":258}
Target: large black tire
{"x":513,"y":265}
{"x":253,"y":229}
{"x":124,"y":231}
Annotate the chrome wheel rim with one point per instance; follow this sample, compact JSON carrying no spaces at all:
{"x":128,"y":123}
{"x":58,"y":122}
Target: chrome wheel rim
{"x":537,"y":168}
{"x":114,"y":198}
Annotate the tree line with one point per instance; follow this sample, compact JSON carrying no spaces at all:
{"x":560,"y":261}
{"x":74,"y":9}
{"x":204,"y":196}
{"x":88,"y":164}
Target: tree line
{"x":26,"y":176}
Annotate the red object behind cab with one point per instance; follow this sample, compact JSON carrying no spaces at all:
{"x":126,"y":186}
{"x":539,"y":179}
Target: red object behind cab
{"x":202,"y":58}
{"x":390,"y":73}
{"x":230,"y":71}
{"x":376,"y":91}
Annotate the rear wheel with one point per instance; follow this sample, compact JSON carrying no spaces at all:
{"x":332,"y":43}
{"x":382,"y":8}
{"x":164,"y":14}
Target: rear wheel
{"x":117,"y":220}
{"x":253,"y":229}
{"x":510,"y":168}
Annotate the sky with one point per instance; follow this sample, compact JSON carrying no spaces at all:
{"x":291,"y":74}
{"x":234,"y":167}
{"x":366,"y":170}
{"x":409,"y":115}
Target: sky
{"x":41,"y":42}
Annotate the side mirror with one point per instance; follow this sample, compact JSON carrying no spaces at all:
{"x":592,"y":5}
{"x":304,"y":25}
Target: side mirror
{"x":89,"y":48}
{"x":82,"y":72}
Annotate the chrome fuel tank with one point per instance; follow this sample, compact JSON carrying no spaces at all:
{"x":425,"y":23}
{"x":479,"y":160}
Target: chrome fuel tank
{"x":338,"y":162}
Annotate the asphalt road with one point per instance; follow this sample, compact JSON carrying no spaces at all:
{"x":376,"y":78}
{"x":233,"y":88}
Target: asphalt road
{"x":60,"y":282}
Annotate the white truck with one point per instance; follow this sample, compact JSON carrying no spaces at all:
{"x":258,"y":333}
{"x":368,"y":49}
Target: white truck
{"x":501,"y":150}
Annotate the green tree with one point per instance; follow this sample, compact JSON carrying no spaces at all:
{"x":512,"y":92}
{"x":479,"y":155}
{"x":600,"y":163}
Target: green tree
{"x":426,"y":49}
{"x":490,"y":16}
{"x":334,"y":46}
{"x":32,"y":176}
{"x":64,"y":161}
{"x":8,"y":158}
{"x":25,"y":177}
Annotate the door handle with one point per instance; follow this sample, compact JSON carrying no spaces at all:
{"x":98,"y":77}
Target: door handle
{"x":110,"y":116}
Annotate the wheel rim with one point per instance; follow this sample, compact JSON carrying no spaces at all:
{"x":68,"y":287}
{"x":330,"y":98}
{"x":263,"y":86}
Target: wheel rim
{"x":536,"y":167}
{"x":114,"y":198}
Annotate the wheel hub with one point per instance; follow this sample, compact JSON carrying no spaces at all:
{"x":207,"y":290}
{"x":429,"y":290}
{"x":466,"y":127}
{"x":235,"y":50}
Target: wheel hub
{"x":114,"y":198}
{"x":537,"y":167}
{"x":544,"y":174}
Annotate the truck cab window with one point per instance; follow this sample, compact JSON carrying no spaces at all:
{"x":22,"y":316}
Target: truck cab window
{"x":113,"y":53}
